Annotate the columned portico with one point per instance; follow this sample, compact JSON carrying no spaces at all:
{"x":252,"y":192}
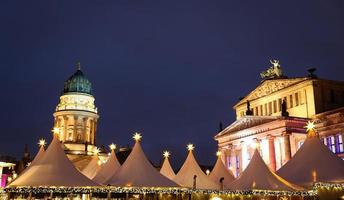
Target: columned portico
{"x":277,"y":139}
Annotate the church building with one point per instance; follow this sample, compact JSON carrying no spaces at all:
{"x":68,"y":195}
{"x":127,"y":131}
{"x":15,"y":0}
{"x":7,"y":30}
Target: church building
{"x":273,"y":116}
{"x":76,"y":118}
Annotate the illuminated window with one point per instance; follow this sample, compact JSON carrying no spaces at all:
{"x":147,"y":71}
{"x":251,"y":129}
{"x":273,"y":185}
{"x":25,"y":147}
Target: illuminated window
{"x":237,"y":160}
{"x":330,"y":141}
{"x":339,"y":144}
{"x":275,"y":106}
{"x":270,"y":108}
{"x":296,"y":99}
{"x":291,"y":101}
{"x":261,"y":110}
{"x":266,"y":109}
{"x":279,"y":104}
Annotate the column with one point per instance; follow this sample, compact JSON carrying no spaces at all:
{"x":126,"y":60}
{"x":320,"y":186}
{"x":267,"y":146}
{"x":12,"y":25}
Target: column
{"x":75,"y":120}
{"x":84,"y":129}
{"x":91,"y":131}
{"x":95,"y":131}
{"x":287,"y":148}
{"x":272,"y":156}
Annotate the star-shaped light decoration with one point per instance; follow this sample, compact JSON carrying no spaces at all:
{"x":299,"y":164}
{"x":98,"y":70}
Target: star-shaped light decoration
{"x":96,"y":151}
{"x":112,"y":146}
{"x":190,"y":147}
{"x":310,"y":126}
{"x":137,"y":136}
{"x":218,"y":153}
{"x":311,"y":129}
{"x":42,"y":143}
{"x":56,"y":130}
{"x":166,"y":154}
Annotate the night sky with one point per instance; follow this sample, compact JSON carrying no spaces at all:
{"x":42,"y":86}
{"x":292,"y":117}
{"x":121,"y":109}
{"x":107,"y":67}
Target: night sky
{"x":169,"y":69}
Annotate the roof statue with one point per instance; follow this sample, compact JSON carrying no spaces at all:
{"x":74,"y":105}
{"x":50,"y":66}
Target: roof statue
{"x":284,"y":111}
{"x":53,"y":169}
{"x":137,"y":171}
{"x":220,"y":174}
{"x":275,"y":71}
{"x":258,"y":176}
{"x":190,"y":174}
{"x":166,"y":168}
{"x":313,"y":162}
{"x":93,"y":166}
{"x":108,"y":169}
{"x":249,"y":111}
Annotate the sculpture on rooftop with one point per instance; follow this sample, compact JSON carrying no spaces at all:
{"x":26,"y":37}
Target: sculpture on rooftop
{"x":275,"y":71}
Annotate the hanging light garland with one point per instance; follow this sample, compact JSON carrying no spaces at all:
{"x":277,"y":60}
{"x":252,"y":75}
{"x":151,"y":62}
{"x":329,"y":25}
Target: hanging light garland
{"x":152,"y":190}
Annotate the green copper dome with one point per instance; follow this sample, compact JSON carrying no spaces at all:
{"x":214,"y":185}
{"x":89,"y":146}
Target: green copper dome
{"x":78,"y":83}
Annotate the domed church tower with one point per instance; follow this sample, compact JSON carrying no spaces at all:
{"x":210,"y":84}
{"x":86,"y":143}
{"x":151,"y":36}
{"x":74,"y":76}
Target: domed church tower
{"x":76,"y":115}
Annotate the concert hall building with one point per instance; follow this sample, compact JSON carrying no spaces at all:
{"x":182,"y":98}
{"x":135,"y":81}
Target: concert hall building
{"x":274,"y":115}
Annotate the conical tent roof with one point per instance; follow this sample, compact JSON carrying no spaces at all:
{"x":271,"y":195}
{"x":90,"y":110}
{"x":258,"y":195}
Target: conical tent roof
{"x":190,"y":168}
{"x":108,"y":169}
{"x":92,"y":167}
{"x":313,"y":161}
{"x":36,"y":160}
{"x":137,"y":171}
{"x":53,"y":169}
{"x":38,"y":156}
{"x":166,"y":169}
{"x":219,"y":171}
{"x":257,"y":175}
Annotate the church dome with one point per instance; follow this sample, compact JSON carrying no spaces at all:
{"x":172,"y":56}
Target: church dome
{"x":78,"y":83}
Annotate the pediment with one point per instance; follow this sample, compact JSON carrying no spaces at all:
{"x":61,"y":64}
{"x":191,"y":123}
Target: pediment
{"x":245,"y":123}
{"x":268,"y":87}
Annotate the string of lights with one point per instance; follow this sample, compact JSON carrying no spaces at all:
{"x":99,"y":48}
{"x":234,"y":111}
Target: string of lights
{"x":155,"y":190}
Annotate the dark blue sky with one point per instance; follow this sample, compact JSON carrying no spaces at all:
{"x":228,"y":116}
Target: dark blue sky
{"x":170,"y":69}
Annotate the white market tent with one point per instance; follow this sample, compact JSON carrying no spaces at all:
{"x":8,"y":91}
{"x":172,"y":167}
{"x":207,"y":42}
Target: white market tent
{"x":166,"y":168}
{"x":53,"y":169}
{"x":38,"y":156}
{"x":36,"y":160}
{"x":137,"y":171}
{"x":92,"y":167}
{"x":257,"y":176}
{"x":108,"y":169}
{"x":313,"y":162}
{"x":220,"y":171}
{"x":190,"y":170}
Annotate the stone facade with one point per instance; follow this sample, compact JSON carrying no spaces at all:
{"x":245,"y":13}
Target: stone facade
{"x":279,"y":137}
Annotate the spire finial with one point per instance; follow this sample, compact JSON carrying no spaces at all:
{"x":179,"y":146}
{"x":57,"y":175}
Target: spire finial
{"x":78,"y":65}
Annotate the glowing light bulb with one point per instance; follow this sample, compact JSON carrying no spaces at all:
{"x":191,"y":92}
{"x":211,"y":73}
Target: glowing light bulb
{"x":42,"y":143}
{"x":166,"y":154}
{"x":190,"y":147}
{"x":112,"y":146}
{"x":218,"y":153}
{"x":207,"y":171}
{"x":137,"y":136}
